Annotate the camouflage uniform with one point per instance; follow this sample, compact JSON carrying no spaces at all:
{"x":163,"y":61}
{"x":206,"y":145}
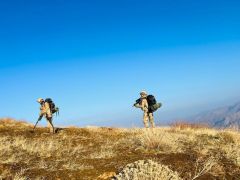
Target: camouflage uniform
{"x":147,"y":116}
{"x":45,"y":111}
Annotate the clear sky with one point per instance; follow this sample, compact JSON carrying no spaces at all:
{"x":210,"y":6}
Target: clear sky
{"x":94,"y":57}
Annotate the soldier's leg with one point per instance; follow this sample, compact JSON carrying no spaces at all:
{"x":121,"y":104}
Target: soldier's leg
{"x":145,"y":119}
{"x":50,"y":125}
{"x":49,"y":118}
{"x":151,"y":119}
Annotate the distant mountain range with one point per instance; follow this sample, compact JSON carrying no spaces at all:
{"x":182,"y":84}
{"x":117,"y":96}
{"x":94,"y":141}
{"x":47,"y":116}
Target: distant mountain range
{"x":225,"y":117}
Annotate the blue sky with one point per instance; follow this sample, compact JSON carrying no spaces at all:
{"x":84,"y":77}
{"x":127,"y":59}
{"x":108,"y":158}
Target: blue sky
{"x":93,"y":58}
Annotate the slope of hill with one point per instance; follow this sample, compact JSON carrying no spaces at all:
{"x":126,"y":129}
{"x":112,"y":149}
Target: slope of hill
{"x":113,"y":153}
{"x":226,"y":117}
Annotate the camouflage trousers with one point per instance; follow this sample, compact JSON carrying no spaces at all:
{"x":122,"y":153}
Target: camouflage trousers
{"x":50,"y":125}
{"x":148,"y":117}
{"x":49,"y":121}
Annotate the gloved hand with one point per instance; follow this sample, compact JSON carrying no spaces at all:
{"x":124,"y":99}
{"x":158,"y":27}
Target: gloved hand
{"x":136,"y":105}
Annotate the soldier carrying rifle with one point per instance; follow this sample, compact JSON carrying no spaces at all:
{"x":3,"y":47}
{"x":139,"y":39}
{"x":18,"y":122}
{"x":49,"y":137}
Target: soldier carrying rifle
{"x":47,"y":109}
{"x":148,"y":104}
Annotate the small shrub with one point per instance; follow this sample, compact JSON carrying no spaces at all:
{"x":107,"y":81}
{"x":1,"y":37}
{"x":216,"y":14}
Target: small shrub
{"x":204,"y":166}
{"x":146,"y":170}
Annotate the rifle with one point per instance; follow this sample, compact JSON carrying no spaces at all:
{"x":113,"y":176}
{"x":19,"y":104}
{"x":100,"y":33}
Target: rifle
{"x":138,"y":101}
{"x":39,"y":119}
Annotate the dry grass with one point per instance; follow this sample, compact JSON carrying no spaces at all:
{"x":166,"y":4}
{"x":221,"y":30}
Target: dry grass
{"x":158,"y":140}
{"x":184,"y":125}
{"x":204,"y":166}
{"x":192,"y":152}
{"x":20,"y":175}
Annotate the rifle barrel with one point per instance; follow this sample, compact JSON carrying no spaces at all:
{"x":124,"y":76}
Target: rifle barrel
{"x":36,"y":124}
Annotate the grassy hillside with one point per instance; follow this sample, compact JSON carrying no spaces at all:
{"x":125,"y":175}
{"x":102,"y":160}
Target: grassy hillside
{"x":185,"y":152}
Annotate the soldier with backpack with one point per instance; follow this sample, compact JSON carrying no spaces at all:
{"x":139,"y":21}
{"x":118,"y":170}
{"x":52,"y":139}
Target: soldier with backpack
{"x":148,"y":104}
{"x":47,"y":110}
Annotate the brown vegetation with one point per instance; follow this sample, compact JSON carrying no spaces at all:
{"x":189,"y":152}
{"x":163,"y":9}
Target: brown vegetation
{"x":99,"y":153}
{"x":185,"y":125}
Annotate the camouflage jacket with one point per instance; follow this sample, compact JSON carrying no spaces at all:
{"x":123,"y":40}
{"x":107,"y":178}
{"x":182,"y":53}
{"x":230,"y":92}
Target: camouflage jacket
{"x":143,"y":105}
{"x":45,"y":110}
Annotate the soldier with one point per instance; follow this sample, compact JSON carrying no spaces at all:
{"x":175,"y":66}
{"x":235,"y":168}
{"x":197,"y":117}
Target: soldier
{"x":147,"y":113}
{"x":45,"y":111}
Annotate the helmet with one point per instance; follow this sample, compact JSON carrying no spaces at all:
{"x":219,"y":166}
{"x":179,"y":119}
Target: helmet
{"x":143,"y":93}
{"x":40,"y":100}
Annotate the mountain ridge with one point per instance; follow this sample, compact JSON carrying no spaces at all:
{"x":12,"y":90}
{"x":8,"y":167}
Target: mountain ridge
{"x":223,"y":117}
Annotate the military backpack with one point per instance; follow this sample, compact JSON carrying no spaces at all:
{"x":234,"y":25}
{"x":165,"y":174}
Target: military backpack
{"x":53,"y":108}
{"x":152,"y":103}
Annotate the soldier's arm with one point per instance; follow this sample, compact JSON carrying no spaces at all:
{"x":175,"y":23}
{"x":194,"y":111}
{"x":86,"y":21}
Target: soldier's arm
{"x":48,"y":110}
{"x":46,"y":105}
{"x":137,"y":105}
{"x":145,"y":105}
